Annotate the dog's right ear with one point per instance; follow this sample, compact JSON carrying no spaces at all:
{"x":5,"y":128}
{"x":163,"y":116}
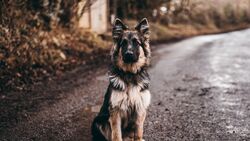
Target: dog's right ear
{"x":118,"y":29}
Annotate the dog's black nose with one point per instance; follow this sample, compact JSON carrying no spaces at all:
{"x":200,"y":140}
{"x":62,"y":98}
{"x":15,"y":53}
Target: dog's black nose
{"x":129,"y":57}
{"x":129,"y":53}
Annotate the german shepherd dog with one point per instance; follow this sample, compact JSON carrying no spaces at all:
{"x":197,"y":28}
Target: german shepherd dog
{"x":127,"y":98}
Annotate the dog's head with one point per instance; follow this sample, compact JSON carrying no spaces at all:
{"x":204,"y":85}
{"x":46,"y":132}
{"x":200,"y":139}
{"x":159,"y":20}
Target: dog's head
{"x":131,"y":49}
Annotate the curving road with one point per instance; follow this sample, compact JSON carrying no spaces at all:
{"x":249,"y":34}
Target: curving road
{"x":200,"y":88}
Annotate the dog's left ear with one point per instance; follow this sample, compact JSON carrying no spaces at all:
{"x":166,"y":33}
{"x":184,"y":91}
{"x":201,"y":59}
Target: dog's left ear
{"x":143,"y":28}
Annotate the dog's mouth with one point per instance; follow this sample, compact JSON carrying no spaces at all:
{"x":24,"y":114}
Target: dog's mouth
{"x":129,"y":58}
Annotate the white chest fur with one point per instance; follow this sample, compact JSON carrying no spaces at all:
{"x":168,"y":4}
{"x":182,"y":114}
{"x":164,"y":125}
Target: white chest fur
{"x":131,"y":96}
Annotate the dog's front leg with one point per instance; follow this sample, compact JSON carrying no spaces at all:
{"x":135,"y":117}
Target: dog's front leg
{"x":139,"y":126}
{"x":115,"y":124}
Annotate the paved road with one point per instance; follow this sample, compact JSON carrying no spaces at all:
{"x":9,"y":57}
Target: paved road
{"x":200,"y":88}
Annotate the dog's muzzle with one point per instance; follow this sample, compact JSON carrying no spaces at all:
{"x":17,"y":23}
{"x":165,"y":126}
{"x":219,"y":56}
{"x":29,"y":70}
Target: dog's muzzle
{"x":129,"y":57}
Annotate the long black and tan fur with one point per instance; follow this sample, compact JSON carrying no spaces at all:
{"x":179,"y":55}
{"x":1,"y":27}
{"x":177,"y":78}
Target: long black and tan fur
{"x":127,"y":98}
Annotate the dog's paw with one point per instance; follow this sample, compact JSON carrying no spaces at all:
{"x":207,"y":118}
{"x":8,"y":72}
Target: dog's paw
{"x":142,"y":140}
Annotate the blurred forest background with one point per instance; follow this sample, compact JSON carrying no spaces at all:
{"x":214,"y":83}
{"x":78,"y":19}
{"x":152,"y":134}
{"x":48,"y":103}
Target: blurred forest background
{"x":43,"y":38}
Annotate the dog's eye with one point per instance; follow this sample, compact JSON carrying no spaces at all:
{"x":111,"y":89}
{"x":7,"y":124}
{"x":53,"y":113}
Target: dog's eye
{"x":135,"y":42}
{"x":124,"y":42}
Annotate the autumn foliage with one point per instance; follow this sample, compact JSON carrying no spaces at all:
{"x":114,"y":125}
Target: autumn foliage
{"x":40,"y":38}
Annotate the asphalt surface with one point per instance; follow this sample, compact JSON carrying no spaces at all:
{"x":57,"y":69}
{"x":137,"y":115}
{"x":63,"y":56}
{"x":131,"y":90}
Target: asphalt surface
{"x":200,"y":91}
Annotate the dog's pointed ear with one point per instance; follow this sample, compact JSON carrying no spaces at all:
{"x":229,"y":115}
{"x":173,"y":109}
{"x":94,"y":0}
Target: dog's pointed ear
{"x":118,"y":29}
{"x":143,"y":28}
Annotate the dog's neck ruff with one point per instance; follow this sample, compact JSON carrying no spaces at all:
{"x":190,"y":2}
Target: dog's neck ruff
{"x":121,"y":80}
